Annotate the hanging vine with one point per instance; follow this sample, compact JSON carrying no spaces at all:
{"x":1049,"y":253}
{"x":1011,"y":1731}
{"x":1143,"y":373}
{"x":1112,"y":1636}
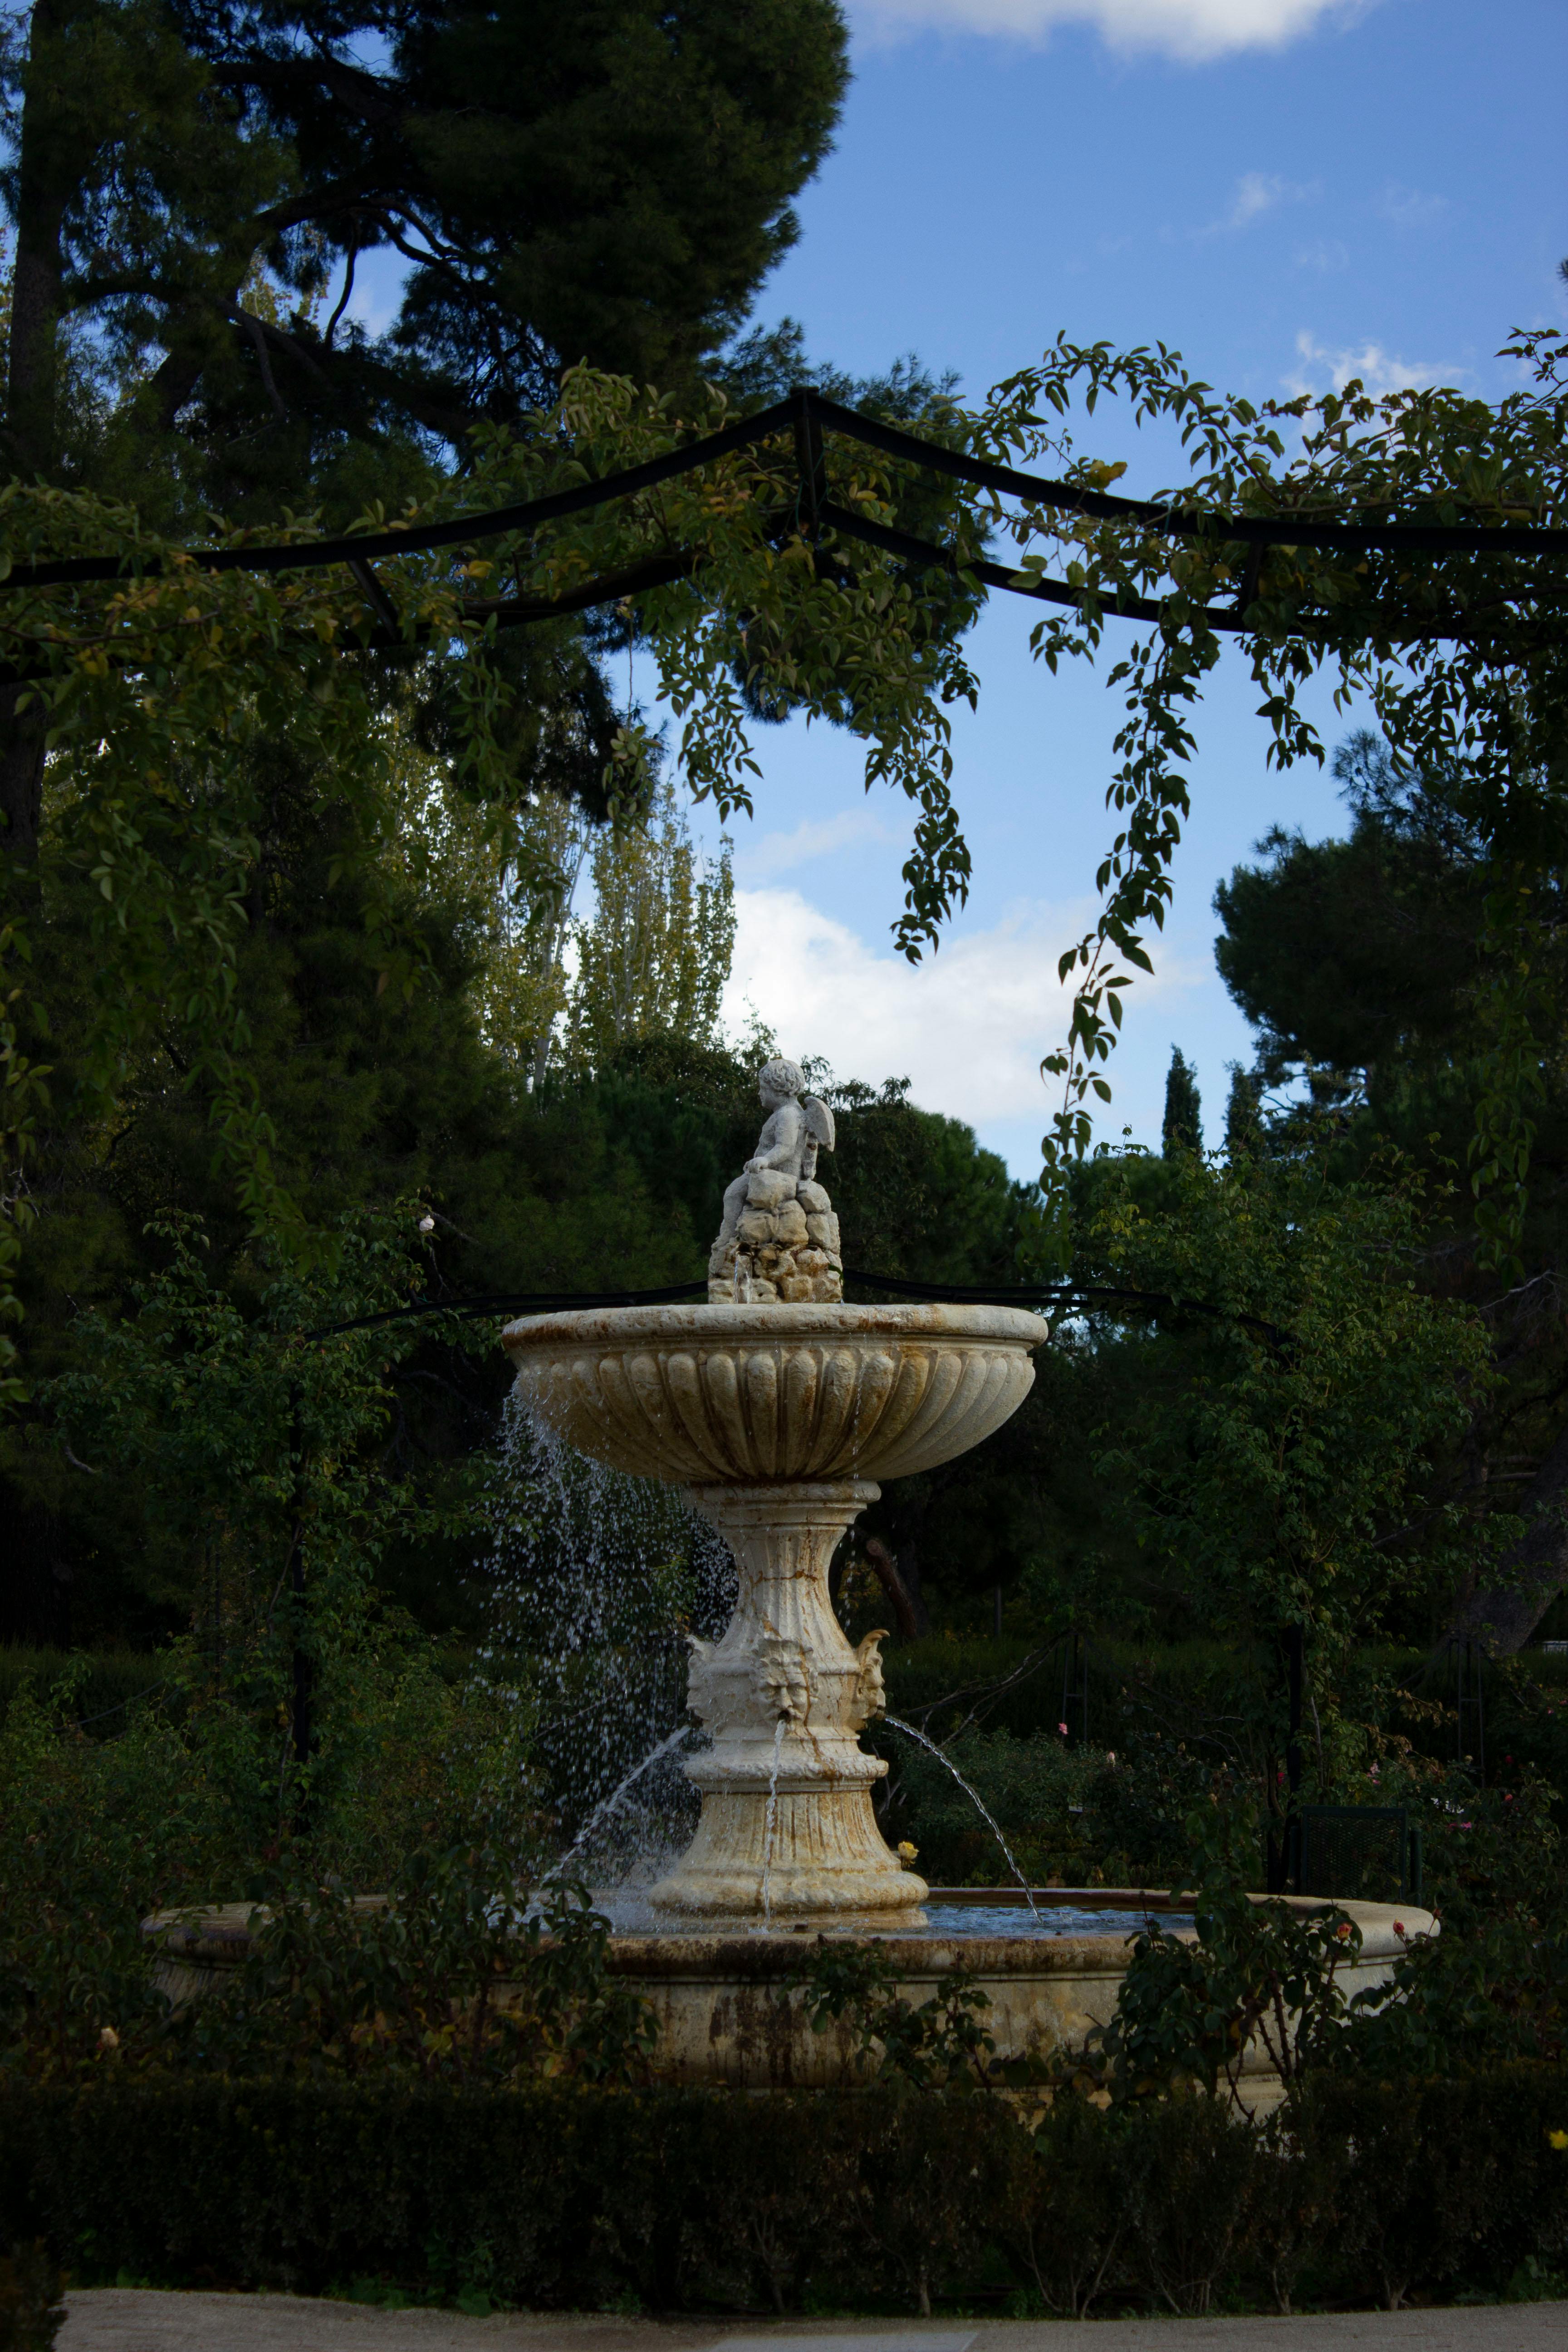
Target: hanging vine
{"x":825,"y":576}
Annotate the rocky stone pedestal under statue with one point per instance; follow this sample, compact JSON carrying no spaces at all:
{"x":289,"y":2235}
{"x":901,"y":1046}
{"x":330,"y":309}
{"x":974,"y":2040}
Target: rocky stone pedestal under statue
{"x":779,"y":1241}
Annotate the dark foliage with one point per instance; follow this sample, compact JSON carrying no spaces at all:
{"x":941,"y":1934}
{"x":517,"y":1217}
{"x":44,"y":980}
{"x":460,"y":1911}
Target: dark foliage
{"x":31,"y":2310}
{"x":549,"y":2197}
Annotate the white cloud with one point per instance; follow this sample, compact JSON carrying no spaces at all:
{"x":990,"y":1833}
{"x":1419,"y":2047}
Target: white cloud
{"x":1191,"y":29}
{"x":967,"y":1027}
{"x":1324,"y":254}
{"x":781,"y":853}
{"x":1409,"y":207}
{"x":1257,"y":192}
{"x":1320,"y":368}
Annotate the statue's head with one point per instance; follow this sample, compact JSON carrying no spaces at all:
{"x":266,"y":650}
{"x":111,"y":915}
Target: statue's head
{"x":779,"y":1081}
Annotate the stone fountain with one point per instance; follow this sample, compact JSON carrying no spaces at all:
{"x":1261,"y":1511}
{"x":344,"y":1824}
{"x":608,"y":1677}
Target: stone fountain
{"x":779,"y":1407}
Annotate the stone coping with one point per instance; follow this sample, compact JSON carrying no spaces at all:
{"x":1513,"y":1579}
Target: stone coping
{"x":219,"y":1936}
{"x":620,"y":1326}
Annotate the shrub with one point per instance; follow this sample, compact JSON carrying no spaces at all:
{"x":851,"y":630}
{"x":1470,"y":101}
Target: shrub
{"x":557,"y":2193}
{"x":31,"y":2311}
{"x":1442,"y":2180}
{"x":565,"y":2195}
{"x":1187,"y":2183}
{"x":1065,"y":2225}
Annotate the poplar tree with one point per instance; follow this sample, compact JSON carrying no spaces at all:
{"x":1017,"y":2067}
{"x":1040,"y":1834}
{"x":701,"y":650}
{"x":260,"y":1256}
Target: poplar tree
{"x":654,"y":956}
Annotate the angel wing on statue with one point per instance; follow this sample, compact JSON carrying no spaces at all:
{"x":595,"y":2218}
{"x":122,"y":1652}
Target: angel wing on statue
{"x":819,"y":1135}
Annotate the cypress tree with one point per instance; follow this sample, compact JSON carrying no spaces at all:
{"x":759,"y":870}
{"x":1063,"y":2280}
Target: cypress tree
{"x":1183,"y":1127}
{"x":1241,"y":1123}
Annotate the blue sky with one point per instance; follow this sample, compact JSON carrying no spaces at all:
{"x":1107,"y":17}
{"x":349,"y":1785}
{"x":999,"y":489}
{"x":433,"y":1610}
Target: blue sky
{"x":1289,"y":193}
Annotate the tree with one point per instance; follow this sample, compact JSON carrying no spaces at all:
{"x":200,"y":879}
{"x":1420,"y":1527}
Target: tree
{"x":654,"y":956}
{"x":1182,"y":1129}
{"x":610,"y":183}
{"x":1360,"y":965}
{"x":1289,"y":1463}
{"x":1361,"y":960}
{"x":1241,"y":1111}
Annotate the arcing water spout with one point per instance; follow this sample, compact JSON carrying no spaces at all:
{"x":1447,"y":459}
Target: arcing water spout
{"x":603,"y":1810}
{"x":894,"y":1723}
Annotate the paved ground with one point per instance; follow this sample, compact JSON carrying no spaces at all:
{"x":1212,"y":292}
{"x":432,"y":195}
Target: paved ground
{"x":138,"y":2319}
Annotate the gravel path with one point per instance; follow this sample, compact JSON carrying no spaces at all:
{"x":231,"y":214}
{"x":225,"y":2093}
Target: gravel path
{"x":146,"y":2319}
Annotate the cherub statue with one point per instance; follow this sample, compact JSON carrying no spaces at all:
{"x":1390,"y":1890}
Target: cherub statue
{"x":779,"y":1240}
{"x":794,"y":1132}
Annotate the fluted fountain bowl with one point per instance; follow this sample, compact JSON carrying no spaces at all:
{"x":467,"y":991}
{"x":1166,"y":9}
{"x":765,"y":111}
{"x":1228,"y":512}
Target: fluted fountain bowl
{"x":752,"y":1396}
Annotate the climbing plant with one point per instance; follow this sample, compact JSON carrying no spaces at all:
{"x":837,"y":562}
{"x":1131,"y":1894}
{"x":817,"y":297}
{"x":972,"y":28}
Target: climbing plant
{"x":780,"y":573}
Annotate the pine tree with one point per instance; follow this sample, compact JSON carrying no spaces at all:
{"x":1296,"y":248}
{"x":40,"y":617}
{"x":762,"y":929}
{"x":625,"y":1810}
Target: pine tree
{"x":609,"y":182}
{"x":192,"y":192}
{"x":1183,"y":1129}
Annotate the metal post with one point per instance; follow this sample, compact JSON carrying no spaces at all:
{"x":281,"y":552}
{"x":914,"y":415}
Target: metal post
{"x":811,"y":457}
{"x":1295,"y":1651}
{"x":301,"y":1740}
{"x":1470,"y":1699}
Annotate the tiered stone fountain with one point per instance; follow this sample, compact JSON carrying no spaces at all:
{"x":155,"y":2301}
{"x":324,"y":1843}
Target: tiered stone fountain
{"x":779,"y":1414}
{"x":779,"y":1407}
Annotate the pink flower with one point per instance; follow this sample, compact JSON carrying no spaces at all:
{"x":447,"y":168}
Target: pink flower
{"x":1399,"y":1926}
{"x":1063,"y":1729}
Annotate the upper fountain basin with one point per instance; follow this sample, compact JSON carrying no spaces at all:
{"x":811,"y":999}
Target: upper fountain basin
{"x":761,"y":1395}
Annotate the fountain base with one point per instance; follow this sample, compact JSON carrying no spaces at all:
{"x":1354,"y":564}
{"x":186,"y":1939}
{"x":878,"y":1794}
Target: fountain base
{"x":820,"y":1855}
{"x":726,"y":1998}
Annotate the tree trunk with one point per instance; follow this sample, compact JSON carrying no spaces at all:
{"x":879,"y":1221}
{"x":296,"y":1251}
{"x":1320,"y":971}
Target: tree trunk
{"x":21,"y":775}
{"x":1502,"y":1618}
{"x":45,"y":163}
{"x":907,"y":1605}
{"x":32,"y":388}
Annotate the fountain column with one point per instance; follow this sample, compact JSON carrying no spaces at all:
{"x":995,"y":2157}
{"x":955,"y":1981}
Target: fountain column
{"x":787,"y":1825}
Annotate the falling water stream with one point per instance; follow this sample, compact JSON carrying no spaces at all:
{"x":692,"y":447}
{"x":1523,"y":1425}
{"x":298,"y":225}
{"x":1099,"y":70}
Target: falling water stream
{"x":772,"y":1819}
{"x":594,"y":1580}
{"x":895,"y":1724}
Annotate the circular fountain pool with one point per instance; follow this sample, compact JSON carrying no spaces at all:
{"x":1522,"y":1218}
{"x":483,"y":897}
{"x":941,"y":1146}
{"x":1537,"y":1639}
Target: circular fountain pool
{"x":726,"y":1998}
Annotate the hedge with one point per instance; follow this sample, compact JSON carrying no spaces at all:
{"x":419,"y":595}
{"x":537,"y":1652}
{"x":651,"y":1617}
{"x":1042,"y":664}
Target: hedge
{"x":562,"y":2196}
